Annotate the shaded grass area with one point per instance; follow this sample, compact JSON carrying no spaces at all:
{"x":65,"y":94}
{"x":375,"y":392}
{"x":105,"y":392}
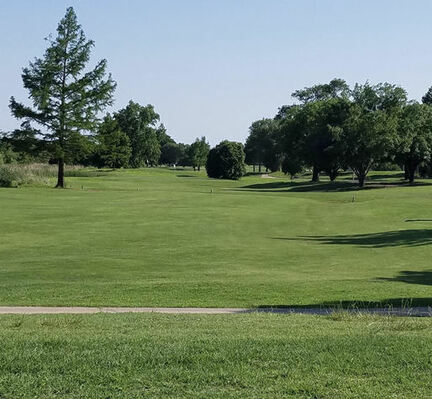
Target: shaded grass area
{"x":219,"y":356}
{"x":397,"y":238}
{"x":327,"y":186}
{"x":153,"y":237}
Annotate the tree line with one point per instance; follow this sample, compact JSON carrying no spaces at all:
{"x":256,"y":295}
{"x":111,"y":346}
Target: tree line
{"x":129,"y":138}
{"x":329,"y":128}
{"x":332,"y":127}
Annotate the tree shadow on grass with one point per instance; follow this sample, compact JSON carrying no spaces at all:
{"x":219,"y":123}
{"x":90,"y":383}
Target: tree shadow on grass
{"x":281,"y":186}
{"x":356,"y":304}
{"x":403,"y":238}
{"x":337,"y":186}
{"x":394,"y":175}
{"x":423,"y":277}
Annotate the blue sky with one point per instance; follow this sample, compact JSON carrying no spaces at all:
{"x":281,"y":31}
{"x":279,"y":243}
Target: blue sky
{"x":212,"y":67}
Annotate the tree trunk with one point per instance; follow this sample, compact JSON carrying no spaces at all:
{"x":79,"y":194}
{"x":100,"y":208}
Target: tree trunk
{"x":199,"y":168}
{"x":411,"y":173}
{"x":361,"y":179}
{"x":253,"y":167}
{"x":259,"y":168}
{"x":406,"y":171}
{"x":60,"y":175}
{"x":315,"y":174}
{"x":332,"y":173}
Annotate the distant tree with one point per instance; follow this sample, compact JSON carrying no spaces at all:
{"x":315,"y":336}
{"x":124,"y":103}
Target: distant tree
{"x":139,"y":124}
{"x":336,"y":88}
{"x":291,"y":139}
{"x":369,"y":134}
{"x":254,"y":146}
{"x":261,"y":146}
{"x":367,"y":137}
{"x":308,"y":135}
{"x":7,"y":154}
{"x":427,"y":98}
{"x":171,"y":154}
{"x":114,"y":145}
{"x":323,"y":105}
{"x":291,"y":166}
{"x":414,"y":145}
{"x":152,"y":148}
{"x":66,"y":100}
{"x":162,"y":136}
{"x":198,"y":152}
{"x":27,"y":145}
{"x":184,"y":159}
{"x":226,"y":161}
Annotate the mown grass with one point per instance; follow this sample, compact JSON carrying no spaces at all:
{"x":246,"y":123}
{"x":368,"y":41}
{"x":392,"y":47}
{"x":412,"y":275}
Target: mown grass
{"x":159,"y":237}
{"x":219,"y":356}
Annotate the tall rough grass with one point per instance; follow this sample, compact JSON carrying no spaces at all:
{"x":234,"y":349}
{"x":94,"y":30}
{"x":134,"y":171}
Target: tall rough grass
{"x":14,"y":175}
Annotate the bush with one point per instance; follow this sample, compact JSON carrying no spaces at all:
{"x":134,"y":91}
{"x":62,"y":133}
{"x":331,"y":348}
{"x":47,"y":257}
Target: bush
{"x":226,"y":161}
{"x":425,"y":170}
{"x":291,"y":166}
{"x":8,"y":176}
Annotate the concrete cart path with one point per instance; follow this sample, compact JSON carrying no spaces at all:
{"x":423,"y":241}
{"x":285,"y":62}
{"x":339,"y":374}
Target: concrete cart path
{"x":414,"y":311}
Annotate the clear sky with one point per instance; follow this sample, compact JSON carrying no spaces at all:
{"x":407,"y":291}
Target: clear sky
{"x":212,"y":67}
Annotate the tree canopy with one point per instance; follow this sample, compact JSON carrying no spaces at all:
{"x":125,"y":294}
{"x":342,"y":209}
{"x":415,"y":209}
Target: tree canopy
{"x":335,"y":127}
{"x":198,"y":152}
{"x":139,"y":124}
{"x":226,"y":161}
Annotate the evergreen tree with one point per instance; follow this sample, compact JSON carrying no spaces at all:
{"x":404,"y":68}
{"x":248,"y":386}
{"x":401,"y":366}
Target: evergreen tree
{"x":66,"y":99}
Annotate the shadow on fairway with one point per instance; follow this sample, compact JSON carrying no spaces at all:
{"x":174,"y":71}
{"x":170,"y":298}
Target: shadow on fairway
{"x":337,"y":186}
{"x":404,"y":303}
{"x":398,"y":175}
{"x":406,"y":238}
{"x":352,"y":304}
{"x":423,"y":277}
{"x":281,"y":186}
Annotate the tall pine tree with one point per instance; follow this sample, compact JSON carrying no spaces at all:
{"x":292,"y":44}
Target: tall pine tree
{"x":66,"y":98}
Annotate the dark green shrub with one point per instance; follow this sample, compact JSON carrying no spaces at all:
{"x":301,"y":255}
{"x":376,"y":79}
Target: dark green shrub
{"x":291,"y":166}
{"x":226,"y":161}
{"x":8,"y":176}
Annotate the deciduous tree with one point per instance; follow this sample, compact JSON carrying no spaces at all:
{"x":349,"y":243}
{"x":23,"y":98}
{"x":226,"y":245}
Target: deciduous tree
{"x":414,"y":144}
{"x":226,"y":161}
{"x":139,"y":124}
{"x":114,"y":145}
{"x":198,"y":152}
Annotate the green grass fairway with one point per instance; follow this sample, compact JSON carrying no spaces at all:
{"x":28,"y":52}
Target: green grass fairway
{"x":158,"y":237}
{"x":229,"y":356}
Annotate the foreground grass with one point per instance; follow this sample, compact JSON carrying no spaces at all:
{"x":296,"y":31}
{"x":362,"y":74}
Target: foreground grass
{"x":176,"y":238}
{"x":223,"y":356}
